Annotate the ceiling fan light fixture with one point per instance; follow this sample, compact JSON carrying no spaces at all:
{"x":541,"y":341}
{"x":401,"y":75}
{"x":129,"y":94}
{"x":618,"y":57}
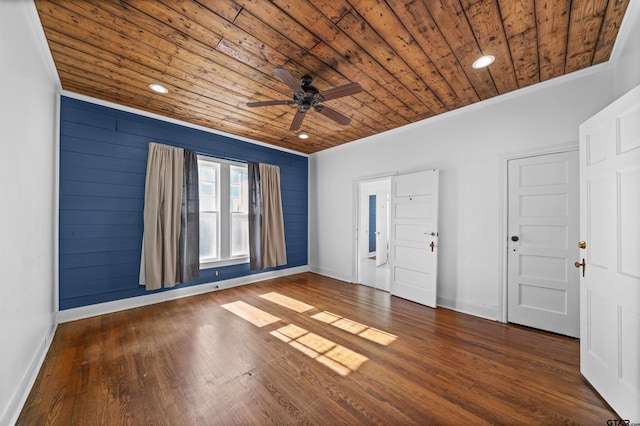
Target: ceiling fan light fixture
{"x":158,"y":88}
{"x":483,"y":61}
{"x":303,"y":136}
{"x":307,"y":97}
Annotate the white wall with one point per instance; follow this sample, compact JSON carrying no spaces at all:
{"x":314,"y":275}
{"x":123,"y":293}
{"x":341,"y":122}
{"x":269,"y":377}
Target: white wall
{"x":627,"y":55}
{"x":27,"y":157}
{"x":467,"y":146}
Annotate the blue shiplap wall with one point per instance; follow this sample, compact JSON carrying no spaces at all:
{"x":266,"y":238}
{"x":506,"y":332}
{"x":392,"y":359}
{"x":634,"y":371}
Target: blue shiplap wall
{"x":103,"y":157}
{"x":372,"y":223}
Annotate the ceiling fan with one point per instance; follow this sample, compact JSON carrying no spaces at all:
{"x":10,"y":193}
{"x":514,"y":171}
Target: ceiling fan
{"x":306,"y":97}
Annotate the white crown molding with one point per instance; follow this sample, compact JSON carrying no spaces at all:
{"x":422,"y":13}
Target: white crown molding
{"x":124,"y":108}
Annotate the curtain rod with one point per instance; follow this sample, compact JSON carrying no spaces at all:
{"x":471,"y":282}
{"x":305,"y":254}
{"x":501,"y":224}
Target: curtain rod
{"x":222,"y":158}
{"x":236,"y":160}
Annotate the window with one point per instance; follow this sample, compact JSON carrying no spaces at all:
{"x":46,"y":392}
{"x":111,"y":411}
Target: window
{"x":208,"y":172}
{"x":239,"y":211}
{"x":224,"y":212}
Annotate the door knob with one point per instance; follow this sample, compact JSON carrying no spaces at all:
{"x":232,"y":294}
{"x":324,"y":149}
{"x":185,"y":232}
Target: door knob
{"x":514,"y":238}
{"x":583,"y":265}
{"x":582,"y":244}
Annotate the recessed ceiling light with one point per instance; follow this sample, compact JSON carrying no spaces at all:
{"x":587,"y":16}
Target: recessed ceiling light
{"x":158,"y":88}
{"x":303,"y":136}
{"x":483,"y":61}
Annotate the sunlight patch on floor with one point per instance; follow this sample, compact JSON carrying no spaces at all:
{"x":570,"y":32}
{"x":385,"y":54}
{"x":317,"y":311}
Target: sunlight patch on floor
{"x":255,"y":316}
{"x":287,"y":302}
{"x":291,"y":332}
{"x":353,"y":327}
{"x":338,"y":358}
{"x":330,"y":354}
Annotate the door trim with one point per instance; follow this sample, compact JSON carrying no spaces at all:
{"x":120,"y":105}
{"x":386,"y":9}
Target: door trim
{"x":503,"y":222}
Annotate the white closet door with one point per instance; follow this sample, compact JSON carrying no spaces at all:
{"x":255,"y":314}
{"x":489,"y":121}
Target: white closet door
{"x":543,"y":286}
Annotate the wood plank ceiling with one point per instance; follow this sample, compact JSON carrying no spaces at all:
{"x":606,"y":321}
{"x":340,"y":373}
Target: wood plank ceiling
{"x":412,"y":58}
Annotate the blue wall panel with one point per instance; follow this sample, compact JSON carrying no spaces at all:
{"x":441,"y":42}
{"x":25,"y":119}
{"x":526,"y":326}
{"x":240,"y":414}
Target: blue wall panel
{"x":103,"y":160}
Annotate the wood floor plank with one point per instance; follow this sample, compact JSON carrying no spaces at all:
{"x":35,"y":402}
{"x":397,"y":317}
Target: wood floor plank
{"x":191,"y":362}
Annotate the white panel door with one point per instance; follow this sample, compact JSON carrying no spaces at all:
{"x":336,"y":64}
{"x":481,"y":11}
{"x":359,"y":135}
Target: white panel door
{"x":382,"y":234}
{"x":610,"y":262}
{"x":414,"y":237}
{"x":543,"y":287}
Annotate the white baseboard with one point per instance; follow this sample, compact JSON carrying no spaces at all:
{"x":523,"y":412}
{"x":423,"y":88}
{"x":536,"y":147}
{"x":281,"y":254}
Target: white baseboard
{"x":21,"y":393}
{"x":330,"y":274}
{"x":136,"y":302}
{"x":478,"y":310}
{"x":482,"y":311}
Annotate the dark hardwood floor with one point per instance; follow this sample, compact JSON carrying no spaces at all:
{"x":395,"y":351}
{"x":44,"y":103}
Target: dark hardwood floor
{"x":315,"y":351}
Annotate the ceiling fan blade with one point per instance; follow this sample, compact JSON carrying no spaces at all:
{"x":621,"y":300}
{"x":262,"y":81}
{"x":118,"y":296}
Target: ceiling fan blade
{"x":340,"y":91}
{"x":290,"y":81}
{"x":333,"y":114}
{"x":268,"y":103}
{"x":297,"y":119}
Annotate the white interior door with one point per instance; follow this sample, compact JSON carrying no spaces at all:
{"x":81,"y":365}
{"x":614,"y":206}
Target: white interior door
{"x":610,"y":261}
{"x":382,"y":226}
{"x":414,"y":237}
{"x":543,"y":287}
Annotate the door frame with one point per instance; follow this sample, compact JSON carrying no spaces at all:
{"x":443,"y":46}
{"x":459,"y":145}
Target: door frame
{"x":503,"y":214}
{"x":356,"y":216}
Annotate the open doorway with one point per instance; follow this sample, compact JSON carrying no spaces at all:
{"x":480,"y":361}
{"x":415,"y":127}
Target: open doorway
{"x":372,"y":239}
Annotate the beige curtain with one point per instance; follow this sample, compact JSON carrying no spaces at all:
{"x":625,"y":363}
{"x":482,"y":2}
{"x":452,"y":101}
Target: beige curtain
{"x":272,"y":233}
{"x":162,"y":212}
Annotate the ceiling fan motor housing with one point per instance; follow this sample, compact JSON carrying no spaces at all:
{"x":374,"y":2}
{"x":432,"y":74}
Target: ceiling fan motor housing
{"x":308,"y":99}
